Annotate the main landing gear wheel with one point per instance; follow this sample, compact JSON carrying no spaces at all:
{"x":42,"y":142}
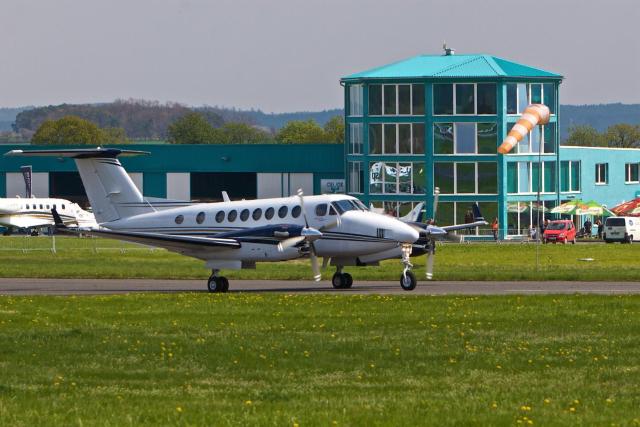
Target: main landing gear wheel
{"x":342,"y":280}
{"x":408,"y":281}
{"x":218,"y":284}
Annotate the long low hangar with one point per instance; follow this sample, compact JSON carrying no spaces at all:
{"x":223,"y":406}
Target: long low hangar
{"x":194,"y":172}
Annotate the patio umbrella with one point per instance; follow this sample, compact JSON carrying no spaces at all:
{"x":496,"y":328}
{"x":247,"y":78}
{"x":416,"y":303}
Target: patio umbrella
{"x":593,"y":208}
{"x":516,"y":207}
{"x":630,"y":208}
{"x":568,"y":208}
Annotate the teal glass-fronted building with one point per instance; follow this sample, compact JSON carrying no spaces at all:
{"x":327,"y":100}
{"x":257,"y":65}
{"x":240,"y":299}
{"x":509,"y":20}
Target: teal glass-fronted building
{"x":436,"y":121}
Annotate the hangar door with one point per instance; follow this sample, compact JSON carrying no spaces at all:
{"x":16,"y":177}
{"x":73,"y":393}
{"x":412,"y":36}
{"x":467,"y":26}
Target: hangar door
{"x":208,"y":186}
{"x":68,"y":185}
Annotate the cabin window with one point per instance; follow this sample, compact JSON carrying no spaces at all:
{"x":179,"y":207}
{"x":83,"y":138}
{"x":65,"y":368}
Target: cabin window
{"x":200,"y":218}
{"x":54,"y":206}
{"x":268,"y":214}
{"x":233,"y":214}
{"x":48,"y":207}
{"x":244,"y":215}
{"x":321,"y":210}
{"x":63,"y":207}
{"x":41,"y":207}
{"x":295,"y":212}
{"x":332,"y":211}
{"x":220,"y":216}
{"x":257,"y":214}
{"x":282,"y":212}
{"x":179,"y":218}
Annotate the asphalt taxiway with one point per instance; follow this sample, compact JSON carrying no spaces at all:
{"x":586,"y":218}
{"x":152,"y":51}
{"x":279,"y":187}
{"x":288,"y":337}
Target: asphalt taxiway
{"x":121,"y":286}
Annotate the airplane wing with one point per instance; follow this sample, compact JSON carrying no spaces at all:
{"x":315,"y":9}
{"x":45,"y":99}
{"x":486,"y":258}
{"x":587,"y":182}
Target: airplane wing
{"x":172,"y":243}
{"x":464,"y":226}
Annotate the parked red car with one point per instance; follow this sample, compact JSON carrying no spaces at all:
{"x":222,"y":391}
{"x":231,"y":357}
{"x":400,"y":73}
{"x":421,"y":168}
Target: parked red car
{"x":561,"y":230}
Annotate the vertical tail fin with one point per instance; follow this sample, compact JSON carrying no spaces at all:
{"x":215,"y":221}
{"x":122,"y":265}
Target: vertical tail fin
{"x":110,"y":190}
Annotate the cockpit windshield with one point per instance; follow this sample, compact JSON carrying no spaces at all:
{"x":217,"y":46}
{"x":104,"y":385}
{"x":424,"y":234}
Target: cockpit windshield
{"x":343,"y":206}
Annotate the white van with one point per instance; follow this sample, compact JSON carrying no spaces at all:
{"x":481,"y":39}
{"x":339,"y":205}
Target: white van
{"x":624,"y":229}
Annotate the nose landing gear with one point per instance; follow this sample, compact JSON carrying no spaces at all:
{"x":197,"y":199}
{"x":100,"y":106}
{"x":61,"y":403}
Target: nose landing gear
{"x":408,"y":280}
{"x":217,"y":284}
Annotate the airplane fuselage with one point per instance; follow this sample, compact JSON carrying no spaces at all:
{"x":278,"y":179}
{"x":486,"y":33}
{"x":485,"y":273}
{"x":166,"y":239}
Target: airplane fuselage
{"x":259,"y":225}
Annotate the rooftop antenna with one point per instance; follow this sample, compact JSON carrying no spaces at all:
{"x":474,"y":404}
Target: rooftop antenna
{"x":448,"y":51}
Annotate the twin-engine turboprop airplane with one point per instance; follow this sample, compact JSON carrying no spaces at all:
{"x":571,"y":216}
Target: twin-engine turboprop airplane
{"x":237,"y":234}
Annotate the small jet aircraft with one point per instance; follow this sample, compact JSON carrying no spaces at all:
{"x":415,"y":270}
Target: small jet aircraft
{"x":35,"y":213}
{"x":238,"y":234}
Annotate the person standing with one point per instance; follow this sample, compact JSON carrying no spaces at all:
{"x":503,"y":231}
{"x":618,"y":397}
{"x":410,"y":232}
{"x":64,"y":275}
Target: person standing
{"x":599,"y":225}
{"x":494,"y":228}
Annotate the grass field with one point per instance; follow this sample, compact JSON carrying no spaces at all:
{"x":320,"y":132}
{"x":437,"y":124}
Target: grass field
{"x":243,"y":359}
{"x":89,"y":258}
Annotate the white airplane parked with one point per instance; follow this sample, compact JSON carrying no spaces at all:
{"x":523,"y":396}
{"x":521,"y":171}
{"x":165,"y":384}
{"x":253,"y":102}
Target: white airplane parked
{"x":238,"y":234}
{"x":35,"y":212}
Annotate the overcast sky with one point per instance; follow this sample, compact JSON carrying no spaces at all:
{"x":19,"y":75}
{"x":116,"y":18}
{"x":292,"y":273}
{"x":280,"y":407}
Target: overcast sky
{"x":288,"y":55}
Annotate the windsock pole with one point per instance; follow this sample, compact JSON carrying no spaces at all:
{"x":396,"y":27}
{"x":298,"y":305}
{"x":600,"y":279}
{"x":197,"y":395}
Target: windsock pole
{"x":534,"y":114}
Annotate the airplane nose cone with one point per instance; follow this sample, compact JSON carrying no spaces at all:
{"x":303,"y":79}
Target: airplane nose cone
{"x":405,"y":233}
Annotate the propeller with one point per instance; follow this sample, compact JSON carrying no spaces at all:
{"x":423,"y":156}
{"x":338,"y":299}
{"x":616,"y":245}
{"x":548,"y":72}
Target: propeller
{"x":309,"y":235}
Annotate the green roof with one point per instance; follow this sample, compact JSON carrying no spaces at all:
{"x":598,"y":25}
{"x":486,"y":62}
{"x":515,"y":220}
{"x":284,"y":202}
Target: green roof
{"x":452,"y":66}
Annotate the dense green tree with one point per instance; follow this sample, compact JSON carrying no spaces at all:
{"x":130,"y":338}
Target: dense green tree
{"x":192,"y":128}
{"x":584,"y":135}
{"x":299,"y":131}
{"x":68,"y":130}
{"x":242,"y":133}
{"x":622,"y":135}
{"x":334,"y":129}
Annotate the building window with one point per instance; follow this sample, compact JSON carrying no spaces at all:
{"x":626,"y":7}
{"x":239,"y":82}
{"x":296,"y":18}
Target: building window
{"x":570,"y":176}
{"x":631,"y":173}
{"x":355,"y":138}
{"x":525,"y":178}
{"x":396,"y":209}
{"x":520,"y":95}
{"x":393,"y":178}
{"x":470,"y":98}
{"x":466,"y":177}
{"x":486,"y":98}
{"x":394,"y":100}
{"x":375,"y":100}
{"x":356,"y":177}
{"x":396,"y":138}
{"x":602,"y":173}
{"x":355,"y":100}
{"x":442,"y":99}
{"x":453,"y":213}
{"x":465,"y":99}
{"x":465,"y":138}
{"x":521,"y":216}
{"x":530,"y":144}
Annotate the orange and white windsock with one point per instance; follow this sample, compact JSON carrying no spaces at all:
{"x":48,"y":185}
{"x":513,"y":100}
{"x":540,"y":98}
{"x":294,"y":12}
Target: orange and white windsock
{"x":534,"y":114}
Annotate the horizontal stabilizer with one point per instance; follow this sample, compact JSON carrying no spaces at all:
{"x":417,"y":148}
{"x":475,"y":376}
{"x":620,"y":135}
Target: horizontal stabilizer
{"x":77,"y":153}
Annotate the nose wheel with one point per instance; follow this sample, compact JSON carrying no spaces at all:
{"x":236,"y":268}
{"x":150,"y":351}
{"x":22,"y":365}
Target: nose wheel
{"x":341,"y":280}
{"x":217,"y":284}
{"x":408,"y":280}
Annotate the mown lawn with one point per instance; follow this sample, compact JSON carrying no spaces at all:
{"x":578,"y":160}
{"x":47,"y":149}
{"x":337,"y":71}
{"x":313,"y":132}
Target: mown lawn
{"x":246,"y":359}
{"x":100,"y":258}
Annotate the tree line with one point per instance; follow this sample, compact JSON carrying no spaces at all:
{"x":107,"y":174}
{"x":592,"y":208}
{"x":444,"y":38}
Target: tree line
{"x":621,"y":135}
{"x":191,"y":128}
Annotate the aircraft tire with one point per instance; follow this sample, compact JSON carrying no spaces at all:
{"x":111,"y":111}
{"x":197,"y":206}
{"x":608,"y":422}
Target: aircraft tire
{"x":339,"y":281}
{"x":348,"y":280}
{"x":408,"y":282}
{"x":225,"y":284}
{"x":215,"y":284}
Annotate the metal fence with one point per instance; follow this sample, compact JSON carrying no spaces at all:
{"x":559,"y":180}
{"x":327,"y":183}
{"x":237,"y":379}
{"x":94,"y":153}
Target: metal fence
{"x":56,"y":244}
